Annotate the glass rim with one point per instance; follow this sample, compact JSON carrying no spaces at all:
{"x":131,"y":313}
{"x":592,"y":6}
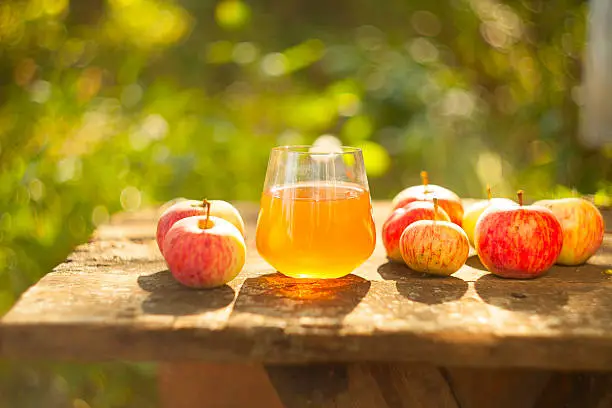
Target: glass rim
{"x":305,"y":150}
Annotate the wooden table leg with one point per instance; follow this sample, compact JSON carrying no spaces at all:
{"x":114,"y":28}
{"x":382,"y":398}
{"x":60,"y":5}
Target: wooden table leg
{"x":211,"y":385}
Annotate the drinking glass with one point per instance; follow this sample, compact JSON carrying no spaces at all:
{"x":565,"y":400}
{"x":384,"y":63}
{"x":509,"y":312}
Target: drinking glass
{"x":315,"y":219}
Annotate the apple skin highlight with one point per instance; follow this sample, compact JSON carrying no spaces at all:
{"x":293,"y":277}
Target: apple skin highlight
{"x":190,"y":208}
{"x":204,"y":257}
{"x":448,"y":201}
{"x":519,"y":242}
{"x":471,"y":215}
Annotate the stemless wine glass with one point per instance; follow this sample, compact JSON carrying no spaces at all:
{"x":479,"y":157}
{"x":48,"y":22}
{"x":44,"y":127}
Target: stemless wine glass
{"x":315,"y":219}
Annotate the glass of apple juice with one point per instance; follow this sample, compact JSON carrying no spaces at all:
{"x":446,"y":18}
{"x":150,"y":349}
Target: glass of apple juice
{"x":315,"y":219}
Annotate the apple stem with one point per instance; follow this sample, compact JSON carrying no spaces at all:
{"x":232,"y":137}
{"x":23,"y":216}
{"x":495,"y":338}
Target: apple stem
{"x":207,"y":206}
{"x":520,"y":197}
{"x":435,"y":201}
{"x":424,"y":179}
{"x":489,"y":192}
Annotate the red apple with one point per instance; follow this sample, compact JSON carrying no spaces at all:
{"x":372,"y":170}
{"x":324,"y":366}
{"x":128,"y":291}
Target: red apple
{"x":472,"y":213}
{"x":435,"y":247}
{"x":583,"y":228}
{"x":516,"y":241}
{"x":204,"y":252}
{"x":449,"y":201}
{"x":189,"y":208}
{"x":402,"y":217}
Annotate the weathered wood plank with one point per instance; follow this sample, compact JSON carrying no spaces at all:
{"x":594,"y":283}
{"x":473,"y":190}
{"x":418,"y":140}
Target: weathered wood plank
{"x":362,"y":386}
{"x":197,"y":385}
{"x":114,"y":298}
{"x":577,"y":390}
{"x":505,"y":388}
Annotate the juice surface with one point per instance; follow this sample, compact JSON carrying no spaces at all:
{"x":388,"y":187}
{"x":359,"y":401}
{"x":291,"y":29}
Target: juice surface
{"x":316,"y":230}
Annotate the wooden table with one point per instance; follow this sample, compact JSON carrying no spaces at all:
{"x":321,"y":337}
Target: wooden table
{"x":382,"y":337}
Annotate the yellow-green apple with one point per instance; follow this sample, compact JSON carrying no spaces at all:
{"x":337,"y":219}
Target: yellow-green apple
{"x":435,"y":247}
{"x":583,"y":228}
{"x":204,"y":251}
{"x":517,"y":241}
{"x":189,"y":208}
{"x":449,"y":201}
{"x":399,"y":219}
{"x":472,"y":213}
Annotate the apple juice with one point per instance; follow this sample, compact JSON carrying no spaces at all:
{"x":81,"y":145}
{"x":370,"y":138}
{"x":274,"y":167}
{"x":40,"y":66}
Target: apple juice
{"x":316,"y":230}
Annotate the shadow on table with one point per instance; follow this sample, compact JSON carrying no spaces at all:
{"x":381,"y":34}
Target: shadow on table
{"x":277,"y":295}
{"x":168,"y":297}
{"x":538,"y":297}
{"x":422,"y":287}
{"x":592,"y":272}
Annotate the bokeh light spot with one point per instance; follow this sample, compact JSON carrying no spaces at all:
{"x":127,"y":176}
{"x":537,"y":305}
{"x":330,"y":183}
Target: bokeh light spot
{"x":369,"y":38}
{"x":68,"y":168}
{"x":147,"y":23}
{"x":376,"y":158}
{"x":493,"y":35}
{"x":357,"y":129}
{"x":274,"y":64}
{"x":244,"y":53}
{"x":423,"y":51}
{"x":426,"y":23}
{"x":99,"y":215}
{"x":54,"y":7}
{"x":40,"y":91}
{"x":153,"y":127}
{"x":232,"y":14}
{"x":37,"y":189}
{"x":131,"y":95}
{"x":489,"y":169}
{"x":603,"y":199}
{"x":458,"y":102}
{"x":130,"y":198}
{"x":348,"y":104}
{"x":303,"y":54}
{"x":326,"y":143}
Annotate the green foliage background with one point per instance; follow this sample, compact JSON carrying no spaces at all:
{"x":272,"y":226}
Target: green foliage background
{"x":109,"y":105}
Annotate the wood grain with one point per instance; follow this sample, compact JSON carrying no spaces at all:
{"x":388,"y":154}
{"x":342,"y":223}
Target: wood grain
{"x":365,"y":385}
{"x":501,"y":388}
{"x":198,"y":385}
{"x":114,"y":299}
